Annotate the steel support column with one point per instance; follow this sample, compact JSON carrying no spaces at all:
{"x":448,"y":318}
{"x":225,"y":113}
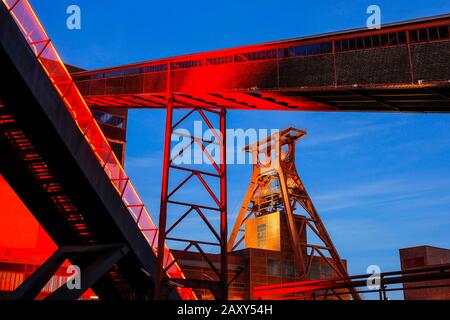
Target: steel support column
{"x":163,"y":200}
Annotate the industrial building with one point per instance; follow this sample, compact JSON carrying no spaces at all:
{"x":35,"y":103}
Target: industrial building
{"x":66,"y":198}
{"x":420,"y":257}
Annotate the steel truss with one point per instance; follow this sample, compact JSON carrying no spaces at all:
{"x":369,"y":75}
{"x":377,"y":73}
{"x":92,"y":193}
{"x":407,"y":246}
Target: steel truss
{"x":218,"y":286}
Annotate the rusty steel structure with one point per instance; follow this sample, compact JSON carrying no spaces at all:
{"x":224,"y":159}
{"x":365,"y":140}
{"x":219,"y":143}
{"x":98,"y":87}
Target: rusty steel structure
{"x":276,"y":186}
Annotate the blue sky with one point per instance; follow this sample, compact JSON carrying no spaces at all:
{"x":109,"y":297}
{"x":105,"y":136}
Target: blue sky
{"x":380,"y":181}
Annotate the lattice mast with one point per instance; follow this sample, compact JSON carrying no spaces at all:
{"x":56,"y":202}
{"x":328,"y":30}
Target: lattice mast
{"x":192,"y":204}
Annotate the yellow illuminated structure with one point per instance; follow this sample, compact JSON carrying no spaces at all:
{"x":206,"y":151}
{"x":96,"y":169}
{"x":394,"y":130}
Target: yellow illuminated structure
{"x":269,"y":218}
{"x":263,"y":232}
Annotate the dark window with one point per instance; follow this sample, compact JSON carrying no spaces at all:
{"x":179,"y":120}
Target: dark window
{"x":443,"y":32}
{"x":185,"y":64}
{"x":274,"y":53}
{"x":316,"y":48}
{"x":368,"y":42}
{"x":280,"y":53}
{"x":98,"y":76}
{"x":261,"y":55}
{"x":132,"y":71}
{"x":288,"y":269}
{"x":352,"y":44}
{"x":304,"y":51}
{"x":433,"y":32}
{"x":384,"y":39}
{"x":221,"y":60}
{"x":376,"y":41}
{"x":116,"y":73}
{"x":294,"y":51}
{"x":401,"y":37}
{"x":360,"y":43}
{"x":325,"y":47}
{"x":274,"y":268}
{"x":281,"y":268}
{"x":413,"y":36}
{"x":392,"y":38}
{"x":345,"y":45}
{"x":156,"y":68}
{"x":338,"y":45}
{"x":423,"y":35}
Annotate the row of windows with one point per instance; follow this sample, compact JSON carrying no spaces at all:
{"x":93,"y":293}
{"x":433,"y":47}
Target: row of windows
{"x":126,"y":72}
{"x":256,"y":55}
{"x":156,"y":68}
{"x":429,"y":34}
{"x":185,"y":64}
{"x":288,"y":269}
{"x":219,"y":60}
{"x":306,"y":50}
{"x":281,"y":268}
{"x":357,"y":43}
{"x":375,"y":41}
{"x":251,"y":56}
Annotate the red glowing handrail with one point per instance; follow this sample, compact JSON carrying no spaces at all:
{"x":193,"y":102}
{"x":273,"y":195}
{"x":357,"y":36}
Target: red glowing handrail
{"x":40,"y":43}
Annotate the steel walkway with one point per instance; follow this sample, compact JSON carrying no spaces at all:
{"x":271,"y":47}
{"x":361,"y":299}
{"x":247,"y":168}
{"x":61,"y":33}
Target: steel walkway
{"x":58,"y":161}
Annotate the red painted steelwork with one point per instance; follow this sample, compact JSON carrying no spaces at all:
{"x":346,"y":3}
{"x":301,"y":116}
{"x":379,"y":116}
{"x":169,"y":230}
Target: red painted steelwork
{"x":265,"y":76}
{"x":430,"y":273}
{"x":192,"y":204}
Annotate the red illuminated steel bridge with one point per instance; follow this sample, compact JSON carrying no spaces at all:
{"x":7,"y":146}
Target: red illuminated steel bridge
{"x":401,"y":67}
{"x":404,"y":67}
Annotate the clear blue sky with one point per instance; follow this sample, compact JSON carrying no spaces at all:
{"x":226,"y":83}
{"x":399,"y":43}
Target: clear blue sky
{"x":380,"y":181}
